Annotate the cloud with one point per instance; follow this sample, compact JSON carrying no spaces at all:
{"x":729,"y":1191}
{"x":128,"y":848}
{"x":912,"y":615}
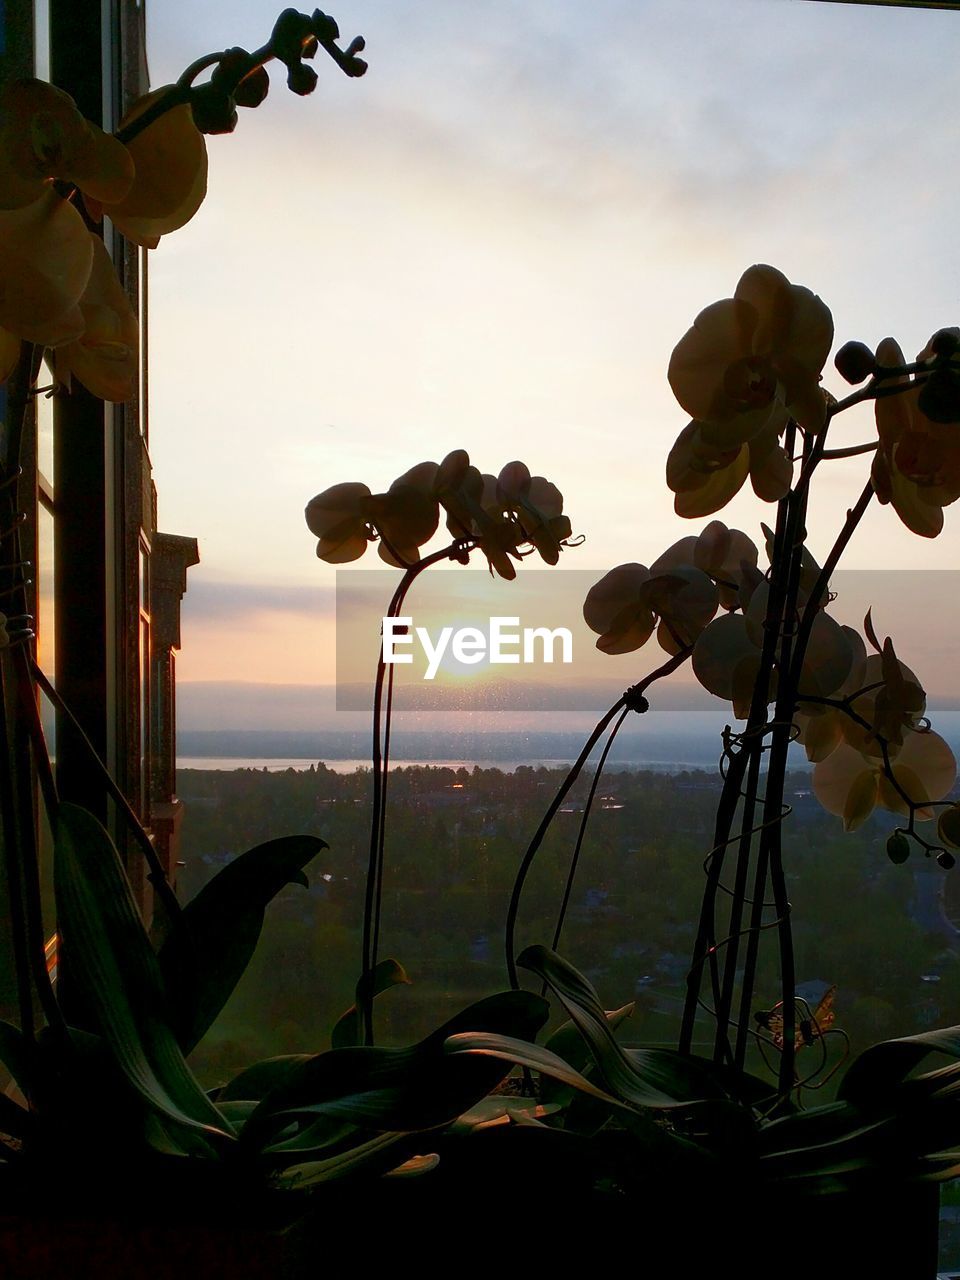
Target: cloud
{"x":209,"y":601}
{"x":493,"y":241}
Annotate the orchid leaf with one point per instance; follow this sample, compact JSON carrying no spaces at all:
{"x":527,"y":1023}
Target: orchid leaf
{"x":376,"y":1152}
{"x":116,"y":970}
{"x":238,"y":1112}
{"x":567,"y":1042}
{"x":211,"y":943}
{"x":174,"y":1140}
{"x":884,"y":1065}
{"x":19,"y":1057}
{"x":642,"y":1078}
{"x":499,"y":1109}
{"x":415,"y":1088}
{"x":15,"y":1121}
{"x":415,"y":1167}
{"x":907,"y":1133}
{"x":808,"y":1135}
{"x":312,"y":1140}
{"x":254,"y":1082}
{"x":648,"y":1136}
{"x":348,"y":1030}
{"x":531,"y":1056}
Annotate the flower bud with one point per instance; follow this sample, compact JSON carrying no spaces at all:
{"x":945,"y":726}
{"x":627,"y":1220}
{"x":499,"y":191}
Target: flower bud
{"x":855,"y":362}
{"x":325,"y":25}
{"x":231,"y":66}
{"x":939,"y":398}
{"x":898,"y":848}
{"x":233,"y":74}
{"x":945,"y":342}
{"x":289,"y":32}
{"x":301,"y":80}
{"x":948,"y":826}
{"x":252,"y":89}
{"x":214,"y":111}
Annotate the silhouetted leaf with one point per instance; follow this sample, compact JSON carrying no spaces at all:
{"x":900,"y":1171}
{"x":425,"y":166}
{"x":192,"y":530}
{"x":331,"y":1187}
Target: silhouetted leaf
{"x":532,"y":1056}
{"x":888,"y":1126}
{"x":312,"y":1140}
{"x":15,"y":1121}
{"x":373,"y":1154}
{"x":238,"y":1112}
{"x":658,"y":1078}
{"x":567,"y":1042}
{"x":499,"y":1108}
{"x":870,"y":1077}
{"x":115,"y":968}
{"x":415,"y":1167}
{"x":348,"y":1030}
{"x":210,"y":945}
{"x":415,"y":1088}
{"x":19,"y":1057}
{"x":254,"y":1082}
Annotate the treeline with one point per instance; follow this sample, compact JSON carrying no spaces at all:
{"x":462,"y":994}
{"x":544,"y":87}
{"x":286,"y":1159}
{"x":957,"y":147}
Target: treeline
{"x":454,"y":842}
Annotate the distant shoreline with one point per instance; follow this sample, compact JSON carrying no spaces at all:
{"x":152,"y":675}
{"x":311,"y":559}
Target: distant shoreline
{"x":273,"y":764}
{"x":660,"y":741}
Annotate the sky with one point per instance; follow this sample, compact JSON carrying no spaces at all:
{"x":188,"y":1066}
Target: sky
{"x":494,"y":240}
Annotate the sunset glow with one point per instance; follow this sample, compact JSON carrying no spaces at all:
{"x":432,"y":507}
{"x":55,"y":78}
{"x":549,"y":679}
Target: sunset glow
{"x":509,"y":230}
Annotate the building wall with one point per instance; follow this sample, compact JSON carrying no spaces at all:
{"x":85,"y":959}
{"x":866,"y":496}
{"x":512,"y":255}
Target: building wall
{"x":105,"y":585}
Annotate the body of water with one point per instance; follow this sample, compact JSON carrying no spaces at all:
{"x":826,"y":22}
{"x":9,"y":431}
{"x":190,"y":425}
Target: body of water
{"x":273,"y":765}
{"x":664,"y":742}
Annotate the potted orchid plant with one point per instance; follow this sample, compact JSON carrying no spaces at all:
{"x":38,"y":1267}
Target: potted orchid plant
{"x":106,"y":1090}
{"x":749,"y":373}
{"x":103,"y":1090}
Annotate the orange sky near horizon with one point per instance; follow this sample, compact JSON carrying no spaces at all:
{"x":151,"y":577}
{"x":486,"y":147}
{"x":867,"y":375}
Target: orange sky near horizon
{"x":494,"y":240}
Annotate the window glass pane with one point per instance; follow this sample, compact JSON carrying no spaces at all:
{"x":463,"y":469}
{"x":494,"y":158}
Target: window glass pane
{"x":45,"y":629}
{"x":41,"y":19}
{"x":46,"y":604}
{"x":142,"y":294}
{"x":45,"y":438}
{"x":143,"y":582}
{"x":144,"y":716}
{"x":144,"y":589}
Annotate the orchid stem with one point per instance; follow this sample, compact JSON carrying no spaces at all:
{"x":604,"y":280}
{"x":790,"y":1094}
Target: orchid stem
{"x":380,"y":762}
{"x":631,"y":696}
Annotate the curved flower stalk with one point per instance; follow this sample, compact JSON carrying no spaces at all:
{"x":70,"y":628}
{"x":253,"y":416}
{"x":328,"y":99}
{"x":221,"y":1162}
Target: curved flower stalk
{"x":506,"y":518}
{"x":56,"y":286}
{"x":59,"y":294}
{"x":633,"y":699}
{"x":677,"y":596}
{"x":749,"y":374}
